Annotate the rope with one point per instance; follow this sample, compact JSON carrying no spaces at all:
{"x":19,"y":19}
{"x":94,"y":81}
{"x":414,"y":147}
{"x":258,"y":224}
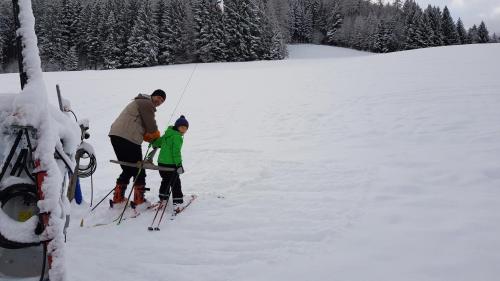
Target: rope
{"x":183,"y":92}
{"x":85,"y":171}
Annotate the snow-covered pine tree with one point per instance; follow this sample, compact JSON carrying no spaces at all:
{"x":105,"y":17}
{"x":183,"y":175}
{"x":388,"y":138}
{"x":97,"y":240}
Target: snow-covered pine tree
{"x":2,"y":47}
{"x":379,"y":45}
{"x":60,"y":41}
{"x":234,"y":29}
{"x":248,"y":30}
{"x":385,"y":38}
{"x":142,"y":49}
{"x":434,"y":16}
{"x":81,"y":40}
{"x":273,"y":45}
{"x":426,"y":30}
{"x":4,"y":29}
{"x":333,"y":21}
{"x":253,"y":30}
{"x":449,"y":28}
{"x":483,"y":34}
{"x":174,"y":32}
{"x":301,"y":25}
{"x":343,"y":35}
{"x":357,"y":38}
{"x":462,"y":33}
{"x":79,"y":28}
{"x":69,"y":24}
{"x":473,"y":35}
{"x":396,"y":16}
{"x":398,"y":4}
{"x":94,"y":42}
{"x":267,"y":34}
{"x":125,"y":13}
{"x":50,"y":41}
{"x":38,"y":12}
{"x":7,"y":30}
{"x":71,"y":59}
{"x":209,"y":40}
{"x":279,"y":9}
{"x":278,"y":48}
{"x":369,"y":32}
{"x":162,"y":18}
{"x":111,"y":52}
{"x":494,"y":38}
{"x":319,"y":17}
{"x":306,"y":26}
{"x":414,"y":37}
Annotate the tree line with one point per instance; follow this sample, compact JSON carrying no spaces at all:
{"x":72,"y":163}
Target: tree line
{"x":379,"y":27}
{"x":110,"y":34}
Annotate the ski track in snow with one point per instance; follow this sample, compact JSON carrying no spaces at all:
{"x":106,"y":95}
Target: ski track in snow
{"x":358,"y":167}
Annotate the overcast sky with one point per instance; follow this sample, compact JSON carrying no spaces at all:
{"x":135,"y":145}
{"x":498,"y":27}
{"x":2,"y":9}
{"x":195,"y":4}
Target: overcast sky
{"x":471,"y":11}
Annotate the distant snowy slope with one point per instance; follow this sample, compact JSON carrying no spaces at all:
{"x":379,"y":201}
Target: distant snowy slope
{"x":366,"y":168}
{"x":308,"y":51}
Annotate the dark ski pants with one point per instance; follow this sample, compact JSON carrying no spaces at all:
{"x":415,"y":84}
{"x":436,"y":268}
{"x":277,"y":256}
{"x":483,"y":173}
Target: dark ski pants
{"x":170,"y":180}
{"x":128,"y":151}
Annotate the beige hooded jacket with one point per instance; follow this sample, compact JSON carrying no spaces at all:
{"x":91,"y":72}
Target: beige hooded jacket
{"x":136,"y":120}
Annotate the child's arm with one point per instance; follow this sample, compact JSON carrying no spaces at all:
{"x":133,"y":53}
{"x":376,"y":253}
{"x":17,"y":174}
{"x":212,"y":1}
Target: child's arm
{"x":158,"y":142}
{"x":176,"y":150}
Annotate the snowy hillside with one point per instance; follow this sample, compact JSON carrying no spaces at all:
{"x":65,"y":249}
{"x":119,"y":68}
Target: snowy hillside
{"x":351,"y":168}
{"x":303,"y":51}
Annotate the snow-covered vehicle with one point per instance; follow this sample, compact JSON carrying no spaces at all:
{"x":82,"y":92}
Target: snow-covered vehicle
{"x":38,"y":145}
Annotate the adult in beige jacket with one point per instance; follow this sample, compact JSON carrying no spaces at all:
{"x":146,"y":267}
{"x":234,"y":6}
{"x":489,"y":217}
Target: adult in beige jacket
{"x":135,"y":124}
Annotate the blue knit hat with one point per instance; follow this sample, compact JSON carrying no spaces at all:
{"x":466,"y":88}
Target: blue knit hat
{"x":181,"y":122}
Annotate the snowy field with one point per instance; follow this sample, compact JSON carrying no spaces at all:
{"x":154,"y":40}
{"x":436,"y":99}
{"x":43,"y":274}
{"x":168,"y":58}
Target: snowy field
{"x":303,"y":51}
{"x":353,"y":167}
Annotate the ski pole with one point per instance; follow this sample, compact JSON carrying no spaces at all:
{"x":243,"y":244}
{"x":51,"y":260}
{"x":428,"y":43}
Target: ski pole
{"x":103,"y":199}
{"x":158,"y":211}
{"x":132,"y":189}
{"x":159,"y":208}
{"x":163,"y":212}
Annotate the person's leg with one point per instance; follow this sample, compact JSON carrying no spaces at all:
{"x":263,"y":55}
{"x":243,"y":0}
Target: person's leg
{"x":136,"y":156}
{"x":120,"y":147}
{"x":166,"y":179}
{"x":177,"y":196}
{"x":127,"y":151}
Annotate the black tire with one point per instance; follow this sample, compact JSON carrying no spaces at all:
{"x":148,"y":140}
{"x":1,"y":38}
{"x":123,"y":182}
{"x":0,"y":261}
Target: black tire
{"x":28,"y":193}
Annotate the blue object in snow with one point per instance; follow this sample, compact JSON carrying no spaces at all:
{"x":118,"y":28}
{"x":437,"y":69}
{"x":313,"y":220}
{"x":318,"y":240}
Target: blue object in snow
{"x":78,"y":192}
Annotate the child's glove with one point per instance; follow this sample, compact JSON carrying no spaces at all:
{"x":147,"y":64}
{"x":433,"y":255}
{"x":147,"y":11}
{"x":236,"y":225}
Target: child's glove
{"x":180,"y":170}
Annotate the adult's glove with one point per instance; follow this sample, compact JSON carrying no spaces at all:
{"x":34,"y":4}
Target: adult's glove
{"x":150,"y":137}
{"x":180,"y":170}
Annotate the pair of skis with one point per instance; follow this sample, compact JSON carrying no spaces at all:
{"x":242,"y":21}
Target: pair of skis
{"x":162,"y":207}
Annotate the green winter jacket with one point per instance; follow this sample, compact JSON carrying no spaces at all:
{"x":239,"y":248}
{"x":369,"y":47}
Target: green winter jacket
{"x":170,"y":145}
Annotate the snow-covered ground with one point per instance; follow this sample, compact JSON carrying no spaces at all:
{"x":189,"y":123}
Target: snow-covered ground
{"x":303,"y":51}
{"x":349,"y":168}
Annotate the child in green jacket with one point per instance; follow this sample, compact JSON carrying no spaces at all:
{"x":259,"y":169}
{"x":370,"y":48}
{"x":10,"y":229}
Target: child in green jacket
{"x":170,"y":145}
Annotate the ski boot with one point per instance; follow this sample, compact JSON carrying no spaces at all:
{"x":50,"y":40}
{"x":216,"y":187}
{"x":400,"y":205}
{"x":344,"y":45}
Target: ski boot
{"x":118,"y":195}
{"x":139,"y":198}
{"x":178,"y":204}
